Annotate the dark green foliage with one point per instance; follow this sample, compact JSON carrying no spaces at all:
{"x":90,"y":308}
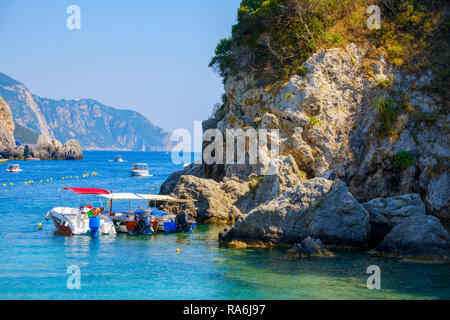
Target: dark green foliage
{"x":25,"y":135}
{"x":301,"y":71}
{"x":273,"y":37}
{"x":403,"y":160}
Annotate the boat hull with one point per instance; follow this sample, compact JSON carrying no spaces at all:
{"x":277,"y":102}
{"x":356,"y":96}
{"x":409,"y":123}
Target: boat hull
{"x":139,"y":173}
{"x":70,"y":221}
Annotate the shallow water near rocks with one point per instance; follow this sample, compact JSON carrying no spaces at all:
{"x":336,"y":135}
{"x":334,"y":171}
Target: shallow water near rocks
{"x":33,"y":263}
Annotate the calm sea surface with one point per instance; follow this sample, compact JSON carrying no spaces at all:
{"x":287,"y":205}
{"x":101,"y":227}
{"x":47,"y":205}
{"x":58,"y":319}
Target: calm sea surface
{"x":33,"y":263}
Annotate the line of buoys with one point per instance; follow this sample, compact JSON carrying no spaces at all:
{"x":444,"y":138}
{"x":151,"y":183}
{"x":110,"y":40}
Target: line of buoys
{"x":51,"y":179}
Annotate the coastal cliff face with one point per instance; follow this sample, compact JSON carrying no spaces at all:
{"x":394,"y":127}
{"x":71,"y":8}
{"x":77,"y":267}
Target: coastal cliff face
{"x":95,"y":126}
{"x":332,"y":119}
{"x":46,"y":148}
{"x":6,"y":125}
{"x":331,"y":123}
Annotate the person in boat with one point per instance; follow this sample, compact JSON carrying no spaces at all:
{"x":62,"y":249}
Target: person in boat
{"x":182,"y":222}
{"x":135,"y":167}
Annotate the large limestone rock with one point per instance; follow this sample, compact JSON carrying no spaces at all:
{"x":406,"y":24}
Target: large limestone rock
{"x":417,"y":237}
{"x":48,"y":148}
{"x":239,"y":191}
{"x":72,"y":150}
{"x":385,"y":213}
{"x":52,"y":149}
{"x":212,"y":204}
{"x":317,"y":208}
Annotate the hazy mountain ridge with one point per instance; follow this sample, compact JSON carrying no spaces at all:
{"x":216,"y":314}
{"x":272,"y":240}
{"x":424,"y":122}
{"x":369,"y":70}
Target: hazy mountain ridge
{"x":95,"y":125}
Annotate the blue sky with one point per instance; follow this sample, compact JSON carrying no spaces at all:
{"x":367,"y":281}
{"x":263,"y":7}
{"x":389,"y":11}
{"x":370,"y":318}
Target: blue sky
{"x":150,"y":56}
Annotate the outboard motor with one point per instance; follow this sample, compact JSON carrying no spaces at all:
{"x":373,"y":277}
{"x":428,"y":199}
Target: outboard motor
{"x":144,"y":226}
{"x":183,"y":225}
{"x":94,"y":225}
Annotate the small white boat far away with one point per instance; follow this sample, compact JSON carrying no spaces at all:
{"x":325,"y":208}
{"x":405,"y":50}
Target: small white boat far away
{"x":14,"y":168}
{"x":140,"y":170}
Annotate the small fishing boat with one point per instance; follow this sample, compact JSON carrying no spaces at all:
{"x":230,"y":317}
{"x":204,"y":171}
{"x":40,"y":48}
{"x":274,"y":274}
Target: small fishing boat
{"x":168,"y":222}
{"x":146,"y":221}
{"x":133,"y":222}
{"x":118,"y":159}
{"x":2,"y":159}
{"x":14,"y":168}
{"x":83,"y":219}
{"x":140,"y":170}
{"x":30,"y":158}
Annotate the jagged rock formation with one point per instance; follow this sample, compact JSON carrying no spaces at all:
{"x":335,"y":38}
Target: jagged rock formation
{"x":51,"y":149}
{"x":332,"y":122}
{"x":96,"y":126}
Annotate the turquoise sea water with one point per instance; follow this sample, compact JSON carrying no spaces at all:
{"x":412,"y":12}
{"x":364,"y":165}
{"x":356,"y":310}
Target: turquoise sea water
{"x":33,"y":263}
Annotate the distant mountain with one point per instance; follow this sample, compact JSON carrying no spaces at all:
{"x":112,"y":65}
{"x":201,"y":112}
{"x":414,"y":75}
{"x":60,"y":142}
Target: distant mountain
{"x":94,"y":125}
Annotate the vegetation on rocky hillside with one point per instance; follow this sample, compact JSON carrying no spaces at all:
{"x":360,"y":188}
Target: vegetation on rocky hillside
{"x":274,"y":37}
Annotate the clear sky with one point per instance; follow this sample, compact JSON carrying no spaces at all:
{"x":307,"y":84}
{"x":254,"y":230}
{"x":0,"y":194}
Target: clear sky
{"x":146,"y":55}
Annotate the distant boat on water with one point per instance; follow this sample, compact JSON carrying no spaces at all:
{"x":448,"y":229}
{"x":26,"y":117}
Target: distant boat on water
{"x":14,"y":168}
{"x":140,"y":170}
{"x":30,"y":158}
{"x":118,"y":159}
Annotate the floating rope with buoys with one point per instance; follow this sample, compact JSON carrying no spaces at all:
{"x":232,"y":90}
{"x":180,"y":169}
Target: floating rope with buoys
{"x":26,"y":183}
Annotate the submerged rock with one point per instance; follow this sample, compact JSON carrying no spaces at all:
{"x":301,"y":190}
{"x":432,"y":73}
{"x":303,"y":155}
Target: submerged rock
{"x":419,"y":237}
{"x":309,"y":247}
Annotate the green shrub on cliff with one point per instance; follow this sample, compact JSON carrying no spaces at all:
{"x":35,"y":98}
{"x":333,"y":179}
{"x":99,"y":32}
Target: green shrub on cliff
{"x":387,"y":114}
{"x":272,"y":37}
{"x":403,"y":160}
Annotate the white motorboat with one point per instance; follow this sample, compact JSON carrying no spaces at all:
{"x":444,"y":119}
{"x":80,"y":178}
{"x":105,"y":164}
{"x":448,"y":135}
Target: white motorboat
{"x":140,"y":170}
{"x":118,"y":159}
{"x":14,"y":168}
{"x":84,"y":219}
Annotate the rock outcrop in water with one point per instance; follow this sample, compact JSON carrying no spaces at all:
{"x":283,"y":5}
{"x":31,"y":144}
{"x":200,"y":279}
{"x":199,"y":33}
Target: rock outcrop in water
{"x":330,"y":123}
{"x":317,"y":208}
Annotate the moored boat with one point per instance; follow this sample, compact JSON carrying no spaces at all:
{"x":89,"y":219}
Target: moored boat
{"x":84,"y":219}
{"x":168,"y":222}
{"x":133,"y":222}
{"x":149,"y":220}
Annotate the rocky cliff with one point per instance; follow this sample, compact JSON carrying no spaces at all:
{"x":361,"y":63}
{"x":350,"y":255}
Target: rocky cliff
{"x":6,"y":125}
{"x":46,"y":148}
{"x":355,"y":120}
{"x":94,"y":125}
